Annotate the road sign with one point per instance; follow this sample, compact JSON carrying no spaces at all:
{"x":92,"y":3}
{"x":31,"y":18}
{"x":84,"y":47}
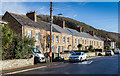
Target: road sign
{"x":48,"y":38}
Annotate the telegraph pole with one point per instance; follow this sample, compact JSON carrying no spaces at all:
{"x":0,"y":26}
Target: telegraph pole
{"x":51,"y":20}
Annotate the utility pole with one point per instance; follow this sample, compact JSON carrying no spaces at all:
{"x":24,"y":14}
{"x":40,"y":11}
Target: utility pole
{"x":51,"y":20}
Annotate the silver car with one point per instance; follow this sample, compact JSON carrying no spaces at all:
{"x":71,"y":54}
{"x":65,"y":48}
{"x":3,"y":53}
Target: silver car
{"x":109,"y":52}
{"x":78,"y":56}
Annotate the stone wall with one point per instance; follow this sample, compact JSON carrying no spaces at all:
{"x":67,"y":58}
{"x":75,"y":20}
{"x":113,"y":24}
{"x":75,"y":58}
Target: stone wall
{"x":16,"y":63}
{"x":65,"y":56}
{"x":90,"y":54}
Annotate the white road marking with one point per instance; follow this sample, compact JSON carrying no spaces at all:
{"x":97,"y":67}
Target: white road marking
{"x":95,"y":57}
{"x":25,"y":70}
{"x":85,"y":62}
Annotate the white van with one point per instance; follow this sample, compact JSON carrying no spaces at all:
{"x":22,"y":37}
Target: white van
{"x":38,"y":56}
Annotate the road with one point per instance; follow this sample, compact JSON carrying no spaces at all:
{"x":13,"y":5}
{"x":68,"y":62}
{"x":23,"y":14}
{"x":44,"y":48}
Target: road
{"x":100,"y":65}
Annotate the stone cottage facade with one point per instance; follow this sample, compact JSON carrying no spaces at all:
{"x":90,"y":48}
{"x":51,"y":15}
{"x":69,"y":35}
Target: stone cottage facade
{"x":62,"y":38}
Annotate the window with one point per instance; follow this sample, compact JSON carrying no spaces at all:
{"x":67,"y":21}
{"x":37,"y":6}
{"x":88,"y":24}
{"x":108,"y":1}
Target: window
{"x":58,"y":49}
{"x":100,"y":44}
{"x":29,"y":33}
{"x":75,"y":41}
{"x":37,"y":35}
{"x":57,"y":38}
{"x":68,"y":48}
{"x":62,"y":49}
{"x":85,"y":41}
{"x":52,"y":38}
{"x":94,"y":42}
{"x":82,"y":41}
{"x":97,"y":43}
{"x":90,"y":42}
{"x":76,"y":48}
{"x":63,"y":39}
{"x":68,"y":40}
{"x":78,"y":41}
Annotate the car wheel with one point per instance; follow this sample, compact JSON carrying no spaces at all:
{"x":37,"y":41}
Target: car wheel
{"x":86,"y":59}
{"x":81,"y":59}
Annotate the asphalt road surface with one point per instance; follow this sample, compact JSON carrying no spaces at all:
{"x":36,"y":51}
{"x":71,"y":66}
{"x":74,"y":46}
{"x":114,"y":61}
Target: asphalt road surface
{"x":100,"y":65}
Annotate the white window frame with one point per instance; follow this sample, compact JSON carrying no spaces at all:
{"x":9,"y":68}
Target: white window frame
{"x":68,"y":48}
{"x":97,"y":43}
{"x":29,"y":33}
{"x":75,"y":40}
{"x":57,"y":39}
{"x":37,"y":35}
{"x":68,"y":39}
{"x":63,"y":39}
{"x":78,"y":41}
{"x":52,"y":37}
{"x":85,"y":41}
{"x":82,"y":41}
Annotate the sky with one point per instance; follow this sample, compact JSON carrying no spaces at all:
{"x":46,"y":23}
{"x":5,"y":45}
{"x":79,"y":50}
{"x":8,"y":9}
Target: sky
{"x":100,"y":15}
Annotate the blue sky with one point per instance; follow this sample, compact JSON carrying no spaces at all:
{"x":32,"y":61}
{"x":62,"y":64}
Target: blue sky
{"x":100,"y":15}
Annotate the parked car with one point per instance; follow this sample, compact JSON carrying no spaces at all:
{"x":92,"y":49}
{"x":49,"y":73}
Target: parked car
{"x":109,"y":52}
{"x":38,"y":56}
{"x":116,"y":51}
{"x":78,"y":56}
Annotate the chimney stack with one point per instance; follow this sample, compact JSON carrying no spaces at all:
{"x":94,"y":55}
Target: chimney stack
{"x":32,"y":15}
{"x":92,"y":33}
{"x":63,"y":24}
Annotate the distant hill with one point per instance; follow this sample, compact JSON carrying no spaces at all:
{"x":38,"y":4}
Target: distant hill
{"x":71,"y":23}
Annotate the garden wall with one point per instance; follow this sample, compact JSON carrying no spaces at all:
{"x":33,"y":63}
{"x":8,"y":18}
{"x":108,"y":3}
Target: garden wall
{"x":16,"y":63}
{"x":90,"y":54}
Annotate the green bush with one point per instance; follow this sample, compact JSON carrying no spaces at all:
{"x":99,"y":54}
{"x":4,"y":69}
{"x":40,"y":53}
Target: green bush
{"x":79,"y":46}
{"x":91,"y":48}
{"x":23,"y":47}
{"x":15,"y":46}
{"x":107,"y":47}
{"x":7,"y":37}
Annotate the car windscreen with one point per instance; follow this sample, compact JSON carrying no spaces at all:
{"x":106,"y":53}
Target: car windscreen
{"x":108,"y":51}
{"x":78,"y":53}
{"x":36,"y":51}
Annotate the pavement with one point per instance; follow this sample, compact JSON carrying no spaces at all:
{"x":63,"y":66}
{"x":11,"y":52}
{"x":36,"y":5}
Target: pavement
{"x":94,"y":65}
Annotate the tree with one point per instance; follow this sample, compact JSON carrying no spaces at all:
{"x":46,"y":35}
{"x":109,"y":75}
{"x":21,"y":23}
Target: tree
{"x":91,"y":48}
{"x":7,"y":36}
{"x":79,"y":46}
{"x":107,"y":47}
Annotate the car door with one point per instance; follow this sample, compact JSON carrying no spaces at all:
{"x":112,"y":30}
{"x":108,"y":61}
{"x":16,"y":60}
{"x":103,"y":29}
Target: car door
{"x":83,"y":56}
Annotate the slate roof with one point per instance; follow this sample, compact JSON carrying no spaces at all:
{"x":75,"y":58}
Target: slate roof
{"x":25,"y":21}
{"x":83,"y":34}
{"x":61,"y":30}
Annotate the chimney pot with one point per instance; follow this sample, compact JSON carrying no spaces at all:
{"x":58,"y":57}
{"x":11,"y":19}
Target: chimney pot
{"x":92,"y":33}
{"x":63,"y":24}
{"x":32,"y":15}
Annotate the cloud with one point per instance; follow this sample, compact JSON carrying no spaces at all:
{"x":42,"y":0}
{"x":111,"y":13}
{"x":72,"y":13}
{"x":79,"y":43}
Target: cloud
{"x":20,"y":8}
{"x":14,"y":7}
{"x":75,"y":15}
